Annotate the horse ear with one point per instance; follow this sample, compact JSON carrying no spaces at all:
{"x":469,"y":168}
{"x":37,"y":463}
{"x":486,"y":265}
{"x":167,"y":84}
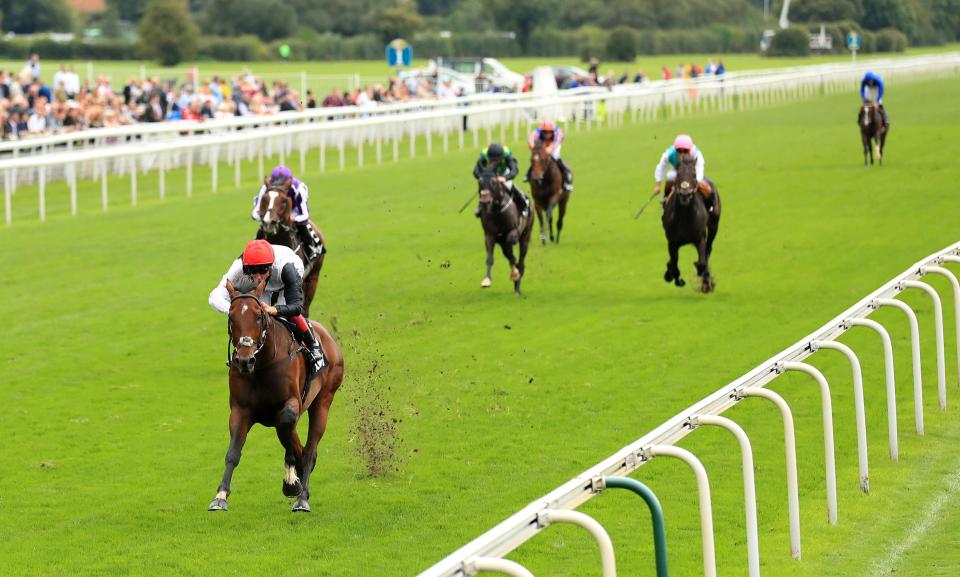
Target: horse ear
{"x":230,"y":290}
{"x":258,"y":292}
{"x":266,"y":182}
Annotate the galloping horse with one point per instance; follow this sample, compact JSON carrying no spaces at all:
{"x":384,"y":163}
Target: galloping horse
{"x":546,"y":188}
{"x":267,"y":387}
{"x":686,"y":220}
{"x":503,"y":224}
{"x":872,"y":128}
{"x":277,"y":227}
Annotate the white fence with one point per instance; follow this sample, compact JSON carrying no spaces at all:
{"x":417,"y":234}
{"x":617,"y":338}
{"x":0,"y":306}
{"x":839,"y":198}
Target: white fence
{"x":250,"y":140}
{"x":485,"y":551}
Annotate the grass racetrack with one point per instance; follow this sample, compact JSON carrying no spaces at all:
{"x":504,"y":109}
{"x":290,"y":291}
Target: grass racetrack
{"x":114,"y":393}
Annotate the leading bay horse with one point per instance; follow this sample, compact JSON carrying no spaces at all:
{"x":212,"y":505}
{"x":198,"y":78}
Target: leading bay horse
{"x":277,"y":227}
{"x":686,"y":220}
{"x":267,"y":375}
{"x":503,"y":224}
{"x":873,"y":131}
{"x":546,"y":188}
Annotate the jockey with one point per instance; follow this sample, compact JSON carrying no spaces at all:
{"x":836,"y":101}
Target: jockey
{"x":667,"y":167}
{"x":507,"y":169}
{"x":871,"y":90}
{"x":283,"y":270}
{"x":299,"y":194}
{"x":551,"y":136}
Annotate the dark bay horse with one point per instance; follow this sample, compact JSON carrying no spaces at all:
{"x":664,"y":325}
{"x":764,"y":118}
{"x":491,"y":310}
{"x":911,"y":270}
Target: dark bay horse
{"x":686,"y":220}
{"x":277,"y":227}
{"x":266,"y":386}
{"x":873,"y":131}
{"x":503,"y":224}
{"x":546,"y":188}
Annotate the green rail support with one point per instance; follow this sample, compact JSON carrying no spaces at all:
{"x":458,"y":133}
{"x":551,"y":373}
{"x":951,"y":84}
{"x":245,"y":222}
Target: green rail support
{"x":659,"y":530}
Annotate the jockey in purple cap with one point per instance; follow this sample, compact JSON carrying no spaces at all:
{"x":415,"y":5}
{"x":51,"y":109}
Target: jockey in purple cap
{"x":299,"y":194}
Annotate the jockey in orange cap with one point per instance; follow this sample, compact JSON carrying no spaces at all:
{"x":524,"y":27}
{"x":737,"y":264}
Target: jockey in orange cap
{"x":551,"y":136}
{"x":283,"y":271}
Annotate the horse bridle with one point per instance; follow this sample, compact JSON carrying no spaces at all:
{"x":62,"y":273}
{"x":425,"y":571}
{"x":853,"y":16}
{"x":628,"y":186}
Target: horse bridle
{"x":246,"y":341}
{"x":271,"y":210}
{"x":490,"y":180}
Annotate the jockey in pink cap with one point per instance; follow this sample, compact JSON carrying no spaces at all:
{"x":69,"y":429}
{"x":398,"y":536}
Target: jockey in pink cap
{"x":667,"y":168}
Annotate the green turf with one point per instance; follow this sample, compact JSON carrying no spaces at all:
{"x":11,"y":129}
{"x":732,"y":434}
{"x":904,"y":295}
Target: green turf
{"x":115,"y":394}
{"x":324,"y":76}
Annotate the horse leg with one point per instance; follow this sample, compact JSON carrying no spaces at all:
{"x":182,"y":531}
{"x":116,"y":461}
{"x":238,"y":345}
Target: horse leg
{"x":310,"y":286}
{"x":318,"y":412}
{"x":240,"y":424}
{"x":563,"y":211}
{"x":521,"y":266}
{"x":673,"y":271}
{"x":543,"y":236}
{"x":703,"y":268}
{"x":488,"y":240}
{"x":550,"y":219}
{"x":293,"y":457}
{"x":507,"y":250}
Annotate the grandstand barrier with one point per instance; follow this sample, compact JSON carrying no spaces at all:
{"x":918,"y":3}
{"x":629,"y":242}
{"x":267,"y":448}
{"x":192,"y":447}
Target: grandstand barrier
{"x":532,"y":519}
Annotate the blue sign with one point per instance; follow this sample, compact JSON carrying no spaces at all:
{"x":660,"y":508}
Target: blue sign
{"x":399,"y":53}
{"x":853,"y":41}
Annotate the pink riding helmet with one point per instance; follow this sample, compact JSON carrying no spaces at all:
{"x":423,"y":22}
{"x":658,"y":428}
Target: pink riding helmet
{"x":683,"y":141}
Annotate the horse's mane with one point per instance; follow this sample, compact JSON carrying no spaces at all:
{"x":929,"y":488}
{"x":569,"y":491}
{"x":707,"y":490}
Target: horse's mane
{"x":245,"y":284}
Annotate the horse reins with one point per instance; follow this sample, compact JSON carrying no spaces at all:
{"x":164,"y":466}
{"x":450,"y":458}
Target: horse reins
{"x":246,"y":341}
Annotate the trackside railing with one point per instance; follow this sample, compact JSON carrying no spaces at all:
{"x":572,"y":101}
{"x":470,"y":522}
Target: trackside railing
{"x":379,"y":134}
{"x":483,"y":552}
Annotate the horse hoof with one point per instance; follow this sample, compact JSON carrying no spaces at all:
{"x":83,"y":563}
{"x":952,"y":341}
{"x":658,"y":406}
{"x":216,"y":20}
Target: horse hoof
{"x":515,"y":274}
{"x":292,"y":490}
{"x":486,"y":282}
{"x":667,"y":276}
{"x":218,"y":505}
{"x":301,"y":506}
{"x":680,"y":282}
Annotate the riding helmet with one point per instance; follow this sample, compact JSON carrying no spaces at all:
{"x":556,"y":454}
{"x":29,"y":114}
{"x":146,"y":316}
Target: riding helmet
{"x":495,"y":151}
{"x":258,"y":253}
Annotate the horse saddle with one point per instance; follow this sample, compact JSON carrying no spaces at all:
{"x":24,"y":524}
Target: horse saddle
{"x":302,"y":349}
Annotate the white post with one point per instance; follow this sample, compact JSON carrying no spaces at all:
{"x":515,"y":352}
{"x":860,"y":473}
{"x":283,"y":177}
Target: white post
{"x":340,"y":146}
{"x":749,"y":485}
{"x":938,"y":324}
{"x":826,"y":408}
{"x":103,"y":184}
{"x":790,"y":448}
{"x":956,"y":296}
{"x":260,"y":174}
{"x":7,"y":194}
{"x":706,"y":508}
{"x":360,"y":153}
{"x":890,"y":380}
{"x":545,"y":518}
{"x":162,"y":175}
{"x":237,"y":160}
{"x":189,"y":154}
{"x":858,"y":405}
{"x":915,"y":346}
{"x":42,"y":181}
{"x":72,"y":180}
{"x":133,"y":181}
{"x":493,"y":565}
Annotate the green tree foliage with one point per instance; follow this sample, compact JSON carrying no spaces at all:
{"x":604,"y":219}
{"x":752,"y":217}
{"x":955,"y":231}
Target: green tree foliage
{"x":622,"y":45}
{"x":826,"y":10}
{"x":30,"y":16}
{"x":393,"y":23}
{"x":794,"y":41}
{"x":129,"y":10}
{"x":268,"y":19}
{"x":167,"y":33}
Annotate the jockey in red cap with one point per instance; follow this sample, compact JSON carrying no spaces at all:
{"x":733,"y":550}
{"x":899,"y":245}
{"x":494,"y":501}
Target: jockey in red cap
{"x":283,"y":271}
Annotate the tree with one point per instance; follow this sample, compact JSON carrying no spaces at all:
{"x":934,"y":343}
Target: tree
{"x":129,"y":10}
{"x":167,"y":33}
{"x":268,"y":19}
{"x":622,"y":45}
{"x":396,"y":23}
{"x":30,"y":16}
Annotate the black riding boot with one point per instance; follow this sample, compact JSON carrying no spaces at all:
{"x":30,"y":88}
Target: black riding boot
{"x":526,"y":177}
{"x":886,"y":119}
{"x":521,"y":199}
{"x":567,"y":175}
{"x":310,"y":240}
{"x":316,"y":358}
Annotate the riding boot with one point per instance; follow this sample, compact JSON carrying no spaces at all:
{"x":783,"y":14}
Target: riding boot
{"x":316,"y":358}
{"x":476,"y":213}
{"x":526,"y":177}
{"x":521,"y":199}
{"x":886,"y":119}
{"x":567,"y":175}
{"x":310,"y":240}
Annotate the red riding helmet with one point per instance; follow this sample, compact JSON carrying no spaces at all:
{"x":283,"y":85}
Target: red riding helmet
{"x":258,"y":253}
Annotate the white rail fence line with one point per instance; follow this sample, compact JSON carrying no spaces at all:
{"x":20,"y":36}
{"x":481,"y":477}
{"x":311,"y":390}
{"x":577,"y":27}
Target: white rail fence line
{"x":529,"y":521}
{"x":644,"y":103}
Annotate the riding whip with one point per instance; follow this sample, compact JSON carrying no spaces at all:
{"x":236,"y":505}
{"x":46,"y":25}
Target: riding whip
{"x":649,"y":200}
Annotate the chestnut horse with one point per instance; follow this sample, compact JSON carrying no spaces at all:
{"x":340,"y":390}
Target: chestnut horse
{"x":267,"y":375}
{"x":686,"y":220}
{"x":277,"y":227}
{"x":546,"y":188}
{"x":873,"y":131}
{"x":503,"y":224}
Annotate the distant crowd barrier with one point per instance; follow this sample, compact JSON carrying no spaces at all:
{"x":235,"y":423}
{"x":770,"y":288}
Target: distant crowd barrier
{"x":380,"y":131}
{"x":485,"y":552}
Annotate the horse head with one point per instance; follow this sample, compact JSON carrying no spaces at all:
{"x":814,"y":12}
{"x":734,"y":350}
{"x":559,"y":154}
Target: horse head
{"x":685,"y":184}
{"x":539,"y":160}
{"x":492,"y":191}
{"x":246,"y":326}
{"x":276,"y":207}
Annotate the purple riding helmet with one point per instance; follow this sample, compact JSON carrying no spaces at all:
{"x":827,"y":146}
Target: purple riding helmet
{"x":282,"y":174}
